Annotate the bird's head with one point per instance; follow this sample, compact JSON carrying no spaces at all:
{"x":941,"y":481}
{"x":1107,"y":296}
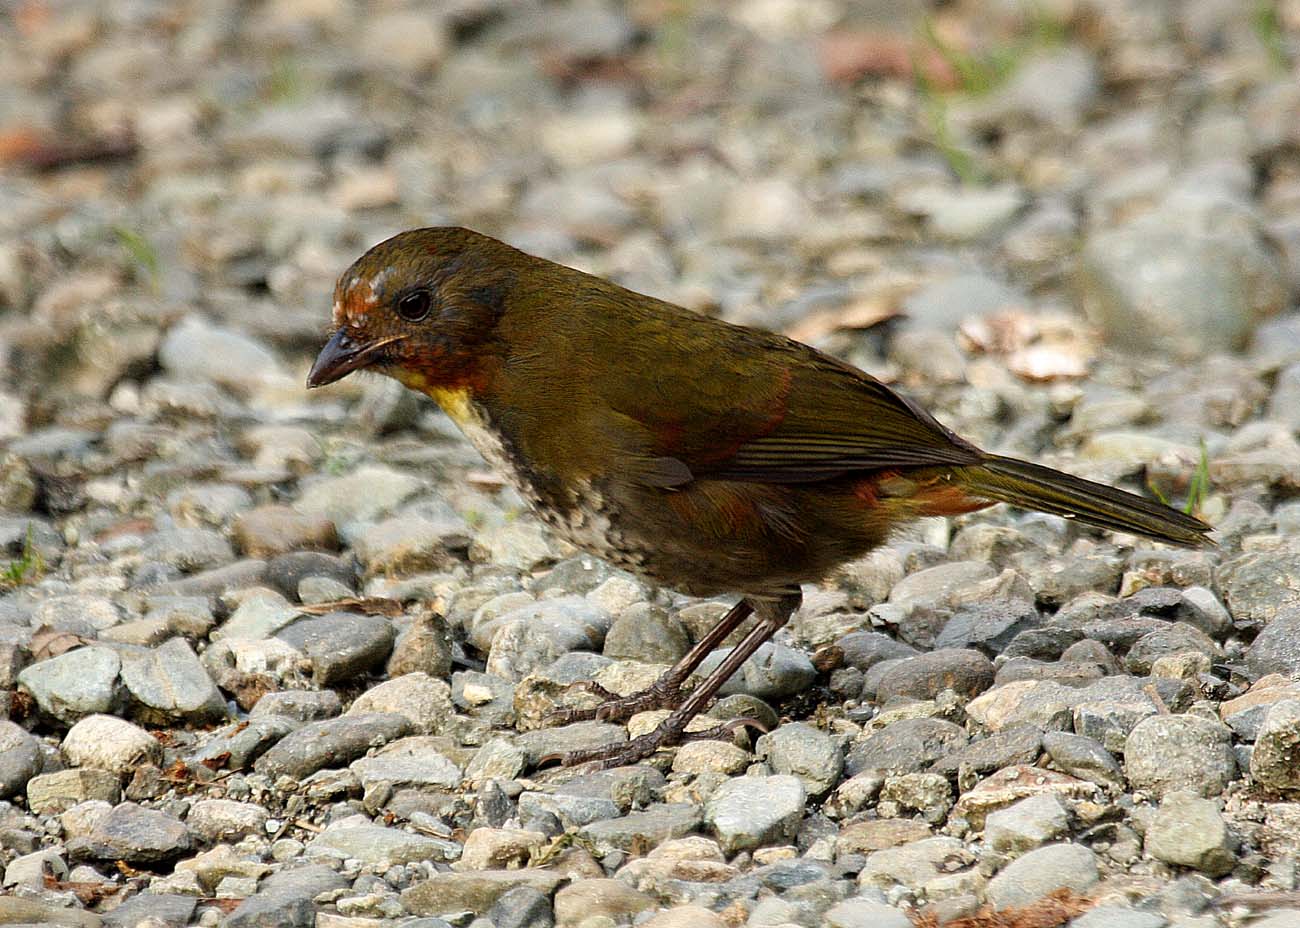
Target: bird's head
{"x":422,"y":307}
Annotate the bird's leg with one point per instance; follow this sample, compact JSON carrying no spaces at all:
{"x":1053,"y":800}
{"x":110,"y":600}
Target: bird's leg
{"x":666,"y":692}
{"x":772,"y":615}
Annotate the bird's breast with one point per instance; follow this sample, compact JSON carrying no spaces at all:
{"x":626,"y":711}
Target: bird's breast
{"x":580,"y":511}
{"x":476,"y":424}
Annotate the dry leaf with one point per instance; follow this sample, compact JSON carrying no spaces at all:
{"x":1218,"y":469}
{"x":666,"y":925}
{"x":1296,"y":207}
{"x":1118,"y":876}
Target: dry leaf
{"x":248,"y":688}
{"x":1034,"y":346}
{"x":129,"y":527}
{"x":21,"y":705}
{"x":48,"y":642}
{"x":88,"y":894}
{"x":1056,"y":908}
{"x":225,"y":905}
{"x":858,"y":315}
{"x":1252,"y":900}
{"x":31,"y":148}
{"x":216,"y":762}
{"x":998,"y":333}
{"x":828,"y":658}
{"x":849,"y":55}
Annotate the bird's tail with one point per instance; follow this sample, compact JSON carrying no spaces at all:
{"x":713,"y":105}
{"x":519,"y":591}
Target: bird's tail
{"x":1033,"y":486}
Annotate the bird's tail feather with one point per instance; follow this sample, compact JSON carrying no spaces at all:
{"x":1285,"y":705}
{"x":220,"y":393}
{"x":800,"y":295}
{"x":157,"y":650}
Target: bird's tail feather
{"x":1033,"y":486}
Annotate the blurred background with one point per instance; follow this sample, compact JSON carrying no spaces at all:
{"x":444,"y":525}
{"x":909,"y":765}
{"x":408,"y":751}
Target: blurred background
{"x":983,"y":193}
{"x":1071,"y":228}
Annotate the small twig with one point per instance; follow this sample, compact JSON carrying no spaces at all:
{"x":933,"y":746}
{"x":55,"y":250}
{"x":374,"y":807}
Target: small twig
{"x":1256,"y":900}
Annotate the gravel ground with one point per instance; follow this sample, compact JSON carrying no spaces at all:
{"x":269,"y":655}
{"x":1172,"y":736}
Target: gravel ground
{"x":270,"y":658}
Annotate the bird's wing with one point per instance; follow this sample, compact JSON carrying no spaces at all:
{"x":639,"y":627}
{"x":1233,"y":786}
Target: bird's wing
{"x":778,"y":411}
{"x":838,"y":420}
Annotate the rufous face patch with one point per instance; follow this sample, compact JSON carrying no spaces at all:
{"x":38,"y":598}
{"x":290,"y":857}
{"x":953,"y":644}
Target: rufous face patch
{"x":356,"y":296}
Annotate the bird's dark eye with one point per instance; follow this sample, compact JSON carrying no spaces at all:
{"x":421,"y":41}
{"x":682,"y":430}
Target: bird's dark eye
{"x":415,"y":305}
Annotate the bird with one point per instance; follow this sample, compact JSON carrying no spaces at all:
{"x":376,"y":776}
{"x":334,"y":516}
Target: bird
{"x":706,"y":457}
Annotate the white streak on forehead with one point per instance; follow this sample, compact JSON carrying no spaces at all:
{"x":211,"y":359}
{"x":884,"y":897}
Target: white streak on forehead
{"x":352,"y":312}
{"x":377,"y":286}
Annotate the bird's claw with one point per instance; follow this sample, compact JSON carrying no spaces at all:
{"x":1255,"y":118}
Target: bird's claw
{"x":569,"y":716}
{"x":720,"y":732}
{"x":669,"y":734}
{"x":618,"y":754}
{"x":615,"y":708}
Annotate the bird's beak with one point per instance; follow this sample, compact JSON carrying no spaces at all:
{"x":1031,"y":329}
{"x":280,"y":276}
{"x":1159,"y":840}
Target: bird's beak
{"x":343,"y":355}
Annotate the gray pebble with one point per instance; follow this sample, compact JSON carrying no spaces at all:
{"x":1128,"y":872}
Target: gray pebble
{"x":76,"y":684}
{"x":1256,"y":591}
{"x":134,"y":834}
{"x":169,"y":684}
{"x":110,"y":743}
{"x":645,"y":829}
{"x":1029,"y":823}
{"x":1273,"y":762}
{"x":864,"y":650}
{"x":214,"y":820}
{"x":426,"y":702}
{"x":1116,"y":916}
{"x":567,"y":811}
{"x":236,"y":746}
{"x":1039,"y":872}
{"x":60,"y":790}
{"x":20,"y":759}
{"x":298,"y":705}
{"x":341,"y":645}
{"x":1172,"y":639}
{"x":989,"y":627}
{"x":189,"y":550}
{"x":473,"y":891}
{"x":521,"y":907}
{"x":805,"y":752}
{"x":1179,"y":282}
{"x":375,"y":846}
{"x":647,"y":633}
{"x":286,"y":572}
{"x":423,"y":645}
{"x":1171,"y":753}
{"x":748,"y":812}
{"x":905,"y":746}
{"x":966,"y":672}
{"x":330,"y":743}
{"x":1276,"y":649}
{"x":1083,"y":757}
{"x":1020,"y":745}
{"x":170,"y":910}
{"x":1188,"y":831}
{"x":865,"y":913}
{"x":285,"y":898}
{"x":576,"y":737}
{"x":774,"y":672}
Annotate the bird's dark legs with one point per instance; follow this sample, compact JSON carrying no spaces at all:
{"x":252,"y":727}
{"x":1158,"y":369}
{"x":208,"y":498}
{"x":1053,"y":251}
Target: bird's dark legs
{"x":772,"y":615}
{"x":664,"y":693}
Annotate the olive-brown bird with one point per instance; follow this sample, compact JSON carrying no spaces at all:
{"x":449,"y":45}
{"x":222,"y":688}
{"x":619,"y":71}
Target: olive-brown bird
{"x":708,"y":457}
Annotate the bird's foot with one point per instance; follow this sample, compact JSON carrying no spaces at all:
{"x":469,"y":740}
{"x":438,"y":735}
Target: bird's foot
{"x":724,"y":731}
{"x":669,"y":733}
{"x":659,"y":695}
